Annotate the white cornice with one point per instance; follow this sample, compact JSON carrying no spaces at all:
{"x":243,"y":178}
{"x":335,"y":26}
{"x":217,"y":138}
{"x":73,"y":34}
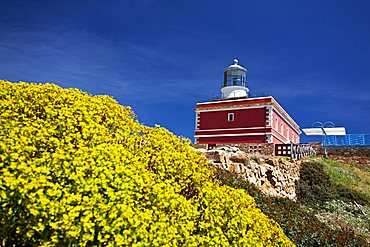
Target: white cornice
{"x":280,"y":108}
{"x":246,"y":134}
{"x":233,"y":129}
{"x":286,"y":121}
{"x":230,"y":108}
{"x":236,"y":100}
{"x":280,"y":139}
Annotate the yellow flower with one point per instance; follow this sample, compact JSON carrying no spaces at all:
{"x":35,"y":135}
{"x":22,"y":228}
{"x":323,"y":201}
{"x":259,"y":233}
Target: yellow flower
{"x":77,"y":169}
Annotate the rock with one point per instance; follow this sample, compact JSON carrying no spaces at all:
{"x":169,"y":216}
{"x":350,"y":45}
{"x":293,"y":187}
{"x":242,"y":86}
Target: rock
{"x":223,"y":148}
{"x":202,"y":150}
{"x":252,"y":179}
{"x":253,"y":165}
{"x":218,"y":156}
{"x":273,"y":176}
{"x":239,"y":157}
{"x":240,"y":168}
{"x":270,"y":162}
{"x":261,"y":161}
{"x":264,"y":168}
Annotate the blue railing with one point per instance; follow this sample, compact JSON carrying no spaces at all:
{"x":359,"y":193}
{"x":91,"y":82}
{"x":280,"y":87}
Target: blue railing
{"x":348,"y":140}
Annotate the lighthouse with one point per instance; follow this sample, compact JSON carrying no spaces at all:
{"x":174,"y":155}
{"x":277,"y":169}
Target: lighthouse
{"x":235,"y":81}
{"x":235,"y":118}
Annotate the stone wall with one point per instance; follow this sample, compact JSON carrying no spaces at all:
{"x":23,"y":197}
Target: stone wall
{"x":254,"y":148}
{"x":274,"y":176}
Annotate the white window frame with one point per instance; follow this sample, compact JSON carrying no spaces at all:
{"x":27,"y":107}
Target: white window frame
{"x":230,"y":117}
{"x":276,"y":124}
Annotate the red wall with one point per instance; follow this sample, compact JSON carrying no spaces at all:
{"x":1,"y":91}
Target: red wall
{"x":231,"y":139}
{"x":244,"y":118}
{"x":282,"y":134}
{"x":212,"y":116}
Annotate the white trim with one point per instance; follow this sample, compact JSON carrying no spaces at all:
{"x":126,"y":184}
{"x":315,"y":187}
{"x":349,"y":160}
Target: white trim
{"x":247,"y":134}
{"x":251,"y":99}
{"x":283,"y":138}
{"x":274,"y":101}
{"x":231,"y":108}
{"x":278,"y":137}
{"x":253,"y":107}
{"x":282,"y":129}
{"x":236,"y":100}
{"x":269,"y":116}
{"x":276,"y":124}
{"x":218,"y":135}
{"x":197,"y":120}
{"x":285,"y":120}
{"x":234,"y":129}
{"x":269,"y":138}
{"x":230,"y":117}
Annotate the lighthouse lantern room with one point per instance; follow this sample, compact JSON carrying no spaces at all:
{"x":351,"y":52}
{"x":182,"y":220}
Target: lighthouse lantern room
{"x":235,"y":80}
{"x":237,"y":119}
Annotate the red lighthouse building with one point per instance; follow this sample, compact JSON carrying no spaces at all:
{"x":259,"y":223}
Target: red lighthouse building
{"x":237,"y":119}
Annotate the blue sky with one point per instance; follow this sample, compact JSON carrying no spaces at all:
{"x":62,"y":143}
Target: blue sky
{"x":162,"y":57}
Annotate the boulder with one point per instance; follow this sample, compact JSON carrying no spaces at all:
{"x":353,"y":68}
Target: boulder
{"x":233,"y":149}
{"x":239,"y":157}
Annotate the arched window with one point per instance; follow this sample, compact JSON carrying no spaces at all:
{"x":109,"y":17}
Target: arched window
{"x":230,"y":117}
{"x":276,"y":124}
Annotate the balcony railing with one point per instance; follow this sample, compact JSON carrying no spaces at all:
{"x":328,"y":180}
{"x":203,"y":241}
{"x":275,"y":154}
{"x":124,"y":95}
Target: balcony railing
{"x":348,"y":140}
{"x":294,"y":151}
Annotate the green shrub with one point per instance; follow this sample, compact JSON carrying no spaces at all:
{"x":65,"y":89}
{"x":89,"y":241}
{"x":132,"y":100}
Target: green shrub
{"x":316,"y":187}
{"x":79,"y":170}
{"x":355,"y":178}
{"x":297,"y":220}
{"x":336,"y":201}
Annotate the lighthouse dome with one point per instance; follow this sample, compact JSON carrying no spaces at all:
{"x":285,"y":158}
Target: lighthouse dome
{"x":235,"y":66}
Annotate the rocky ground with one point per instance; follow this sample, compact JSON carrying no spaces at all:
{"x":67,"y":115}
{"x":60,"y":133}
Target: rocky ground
{"x":274,"y":176}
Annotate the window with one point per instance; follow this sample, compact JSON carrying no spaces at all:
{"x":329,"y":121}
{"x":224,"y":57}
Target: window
{"x":230,"y":117}
{"x":276,"y":124}
{"x":292,"y":136}
{"x":282,"y":128}
{"x":235,"y":80}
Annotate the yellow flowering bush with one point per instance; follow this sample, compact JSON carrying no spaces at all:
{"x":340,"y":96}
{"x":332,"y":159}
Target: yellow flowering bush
{"x":79,"y":170}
